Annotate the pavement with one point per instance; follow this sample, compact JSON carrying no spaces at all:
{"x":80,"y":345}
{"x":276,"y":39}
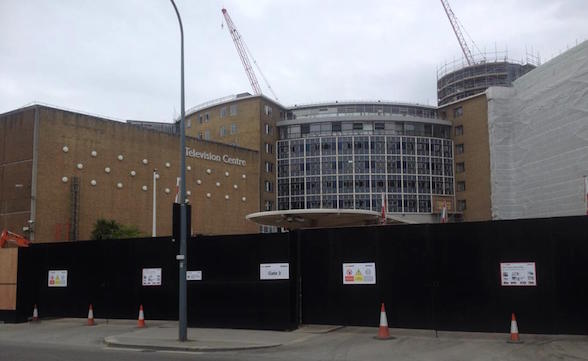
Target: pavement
{"x":64,"y":337}
{"x":164,"y":336}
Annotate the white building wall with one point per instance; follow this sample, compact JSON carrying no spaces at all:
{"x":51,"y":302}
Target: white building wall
{"x":538,"y":132}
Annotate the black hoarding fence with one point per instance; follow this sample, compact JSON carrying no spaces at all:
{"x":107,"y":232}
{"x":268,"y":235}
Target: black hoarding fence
{"x":431,"y":276}
{"x":448,"y":276}
{"x":106,"y":273}
{"x":231,"y":293}
{"x":109,"y":275}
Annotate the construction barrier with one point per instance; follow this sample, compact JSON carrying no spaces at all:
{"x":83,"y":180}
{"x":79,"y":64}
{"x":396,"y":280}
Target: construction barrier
{"x":430,"y":276}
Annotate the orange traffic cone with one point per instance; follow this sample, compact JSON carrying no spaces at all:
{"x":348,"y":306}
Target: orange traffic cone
{"x":91,"y":316}
{"x":141,"y":321}
{"x":35,"y":314}
{"x":383,"y":332}
{"x":514,"y":330}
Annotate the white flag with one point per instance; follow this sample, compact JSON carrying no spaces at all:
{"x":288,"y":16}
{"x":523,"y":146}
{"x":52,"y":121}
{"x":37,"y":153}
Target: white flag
{"x":177,"y":190}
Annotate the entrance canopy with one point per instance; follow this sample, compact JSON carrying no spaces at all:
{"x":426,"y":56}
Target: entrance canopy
{"x":321,"y":218}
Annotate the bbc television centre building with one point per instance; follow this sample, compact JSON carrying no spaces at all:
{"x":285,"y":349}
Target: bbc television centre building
{"x":334,"y":162}
{"x":351,"y":155}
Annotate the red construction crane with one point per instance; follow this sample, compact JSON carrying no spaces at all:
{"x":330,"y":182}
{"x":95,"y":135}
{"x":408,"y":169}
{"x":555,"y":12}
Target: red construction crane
{"x":457,"y":30}
{"x":244,"y":54}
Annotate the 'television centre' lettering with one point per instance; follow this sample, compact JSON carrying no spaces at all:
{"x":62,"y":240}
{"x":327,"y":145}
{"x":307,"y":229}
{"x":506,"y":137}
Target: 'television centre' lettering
{"x":190,"y":152}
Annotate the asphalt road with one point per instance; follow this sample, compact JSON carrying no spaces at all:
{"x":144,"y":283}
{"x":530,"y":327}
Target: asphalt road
{"x":59,"y":342}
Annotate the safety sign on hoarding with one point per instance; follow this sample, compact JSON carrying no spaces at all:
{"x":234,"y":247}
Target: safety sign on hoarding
{"x":151,"y":277}
{"x":193,"y":275}
{"x":274,"y":271}
{"x":359,"y":273}
{"x":518,"y":274}
{"x":57,"y":278}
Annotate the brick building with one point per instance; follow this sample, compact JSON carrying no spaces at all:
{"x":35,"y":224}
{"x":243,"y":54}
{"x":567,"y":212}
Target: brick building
{"x":60,"y":171}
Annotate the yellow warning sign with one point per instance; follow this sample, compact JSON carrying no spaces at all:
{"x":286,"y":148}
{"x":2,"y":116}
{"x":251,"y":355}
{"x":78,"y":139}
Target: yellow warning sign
{"x":358,"y":276}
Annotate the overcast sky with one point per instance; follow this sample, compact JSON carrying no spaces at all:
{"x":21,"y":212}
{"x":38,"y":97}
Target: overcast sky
{"x":120,"y":58}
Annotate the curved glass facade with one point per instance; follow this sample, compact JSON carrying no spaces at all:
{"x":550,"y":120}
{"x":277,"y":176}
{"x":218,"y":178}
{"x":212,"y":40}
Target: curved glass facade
{"x":350,"y":163}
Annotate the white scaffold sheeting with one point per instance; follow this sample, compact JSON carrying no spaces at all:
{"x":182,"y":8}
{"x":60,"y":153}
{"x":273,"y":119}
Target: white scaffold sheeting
{"x":538,"y":132}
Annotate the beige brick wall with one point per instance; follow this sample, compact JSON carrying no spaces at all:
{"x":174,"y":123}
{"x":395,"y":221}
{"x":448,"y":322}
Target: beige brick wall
{"x":250,"y":120}
{"x":271,"y":138}
{"x":246,"y":120}
{"x":16,"y":153}
{"x":476,"y":156}
{"x":130,"y":204}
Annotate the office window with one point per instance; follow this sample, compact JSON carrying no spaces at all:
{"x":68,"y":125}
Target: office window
{"x":336,"y":126}
{"x":313,"y":185}
{"x":313,"y":147}
{"x":329,"y":184}
{"x":268,"y":186}
{"x":207,"y":134}
{"x":459,"y":167}
{"x":233,"y":128}
{"x":424,"y":184}
{"x":457,"y":112}
{"x":329,"y":202}
{"x":269,"y":167}
{"x":357,"y":126}
{"x":268,"y":205}
{"x":269,"y":148}
{"x":233,"y":109}
{"x":268,"y":129}
{"x":459,"y":148}
{"x":223,"y":112}
{"x":223,"y":131}
{"x":267,"y":110}
{"x":461,"y":205}
{"x":461,"y":186}
{"x":283,"y":187}
{"x":345,"y":184}
{"x":297,"y":186}
{"x":283,"y":203}
{"x":283,"y":168}
{"x":313,"y":166}
{"x":458,"y":130}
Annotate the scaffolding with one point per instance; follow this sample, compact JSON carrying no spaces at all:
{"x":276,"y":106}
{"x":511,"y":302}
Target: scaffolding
{"x":457,"y":80}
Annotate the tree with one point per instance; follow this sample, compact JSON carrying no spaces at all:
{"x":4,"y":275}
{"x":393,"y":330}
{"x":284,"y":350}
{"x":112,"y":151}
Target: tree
{"x":111,"y":229}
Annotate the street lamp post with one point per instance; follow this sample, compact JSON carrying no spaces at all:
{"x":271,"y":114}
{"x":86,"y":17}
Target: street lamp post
{"x":154,"y":224}
{"x":183,"y":221}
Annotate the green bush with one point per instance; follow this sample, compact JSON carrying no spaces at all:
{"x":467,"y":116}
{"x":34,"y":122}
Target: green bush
{"x":111,"y":229}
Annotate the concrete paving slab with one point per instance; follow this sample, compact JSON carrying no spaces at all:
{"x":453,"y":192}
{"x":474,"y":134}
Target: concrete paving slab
{"x":165,"y":337}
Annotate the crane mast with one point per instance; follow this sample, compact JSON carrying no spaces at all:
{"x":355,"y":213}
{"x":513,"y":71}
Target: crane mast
{"x":456,"y":29}
{"x":239,"y":44}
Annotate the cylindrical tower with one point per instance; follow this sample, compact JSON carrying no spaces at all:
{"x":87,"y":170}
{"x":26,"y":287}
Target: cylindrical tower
{"x":345,"y":155}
